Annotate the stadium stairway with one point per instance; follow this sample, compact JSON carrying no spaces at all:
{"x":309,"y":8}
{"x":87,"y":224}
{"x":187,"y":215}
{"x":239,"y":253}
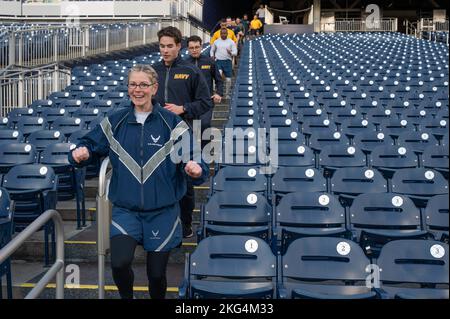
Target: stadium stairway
{"x":81,"y":248}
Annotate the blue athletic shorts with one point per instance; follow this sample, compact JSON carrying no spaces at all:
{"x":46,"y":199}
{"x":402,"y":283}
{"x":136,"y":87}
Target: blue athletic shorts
{"x":226,"y":66}
{"x":158,"y":230}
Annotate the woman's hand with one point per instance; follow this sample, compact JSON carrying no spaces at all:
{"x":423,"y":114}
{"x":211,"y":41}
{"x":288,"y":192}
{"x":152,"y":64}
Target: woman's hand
{"x":193,"y":169}
{"x":81,"y":154}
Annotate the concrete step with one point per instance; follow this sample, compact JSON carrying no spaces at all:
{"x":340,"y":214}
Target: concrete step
{"x":26,"y":275}
{"x":81,"y":246}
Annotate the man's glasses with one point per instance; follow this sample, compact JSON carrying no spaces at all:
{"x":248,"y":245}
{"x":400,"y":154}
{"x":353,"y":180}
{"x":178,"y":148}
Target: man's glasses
{"x":142,"y":85}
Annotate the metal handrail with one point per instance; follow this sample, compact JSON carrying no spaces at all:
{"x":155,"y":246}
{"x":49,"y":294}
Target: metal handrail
{"x":103,"y":222}
{"x":57,"y":268}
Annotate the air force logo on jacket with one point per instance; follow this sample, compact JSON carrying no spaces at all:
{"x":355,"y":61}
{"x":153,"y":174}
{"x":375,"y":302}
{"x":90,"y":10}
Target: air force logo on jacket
{"x":144,"y":176}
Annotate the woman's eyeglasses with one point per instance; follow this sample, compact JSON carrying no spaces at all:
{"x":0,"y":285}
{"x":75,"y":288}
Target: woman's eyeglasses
{"x":142,"y":85}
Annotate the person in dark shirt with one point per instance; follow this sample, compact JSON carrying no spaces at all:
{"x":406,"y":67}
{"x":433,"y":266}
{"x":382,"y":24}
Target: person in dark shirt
{"x":182,"y":90}
{"x":211,"y":73}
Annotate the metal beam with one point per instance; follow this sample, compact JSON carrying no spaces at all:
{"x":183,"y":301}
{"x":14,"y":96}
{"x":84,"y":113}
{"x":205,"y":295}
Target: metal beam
{"x":336,"y":5}
{"x":354,"y":4}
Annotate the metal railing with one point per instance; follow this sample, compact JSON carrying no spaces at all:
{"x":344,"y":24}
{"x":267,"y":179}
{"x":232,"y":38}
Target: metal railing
{"x":360,"y":25}
{"x":40,"y":46}
{"x":103,"y":222}
{"x":57,"y":269}
{"x":20,"y":88}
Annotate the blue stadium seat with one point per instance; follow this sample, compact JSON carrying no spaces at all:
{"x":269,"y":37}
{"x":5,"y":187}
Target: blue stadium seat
{"x":230,"y":266}
{"x":41,"y":139}
{"x":6,"y":231}
{"x":293,"y":154}
{"x":333,"y":157}
{"x":378,"y":218}
{"x":419,"y":184}
{"x":32,"y":187}
{"x":304,"y":214}
{"x":369,"y":140}
{"x":389,"y":159}
{"x":29,"y":124}
{"x":436,"y":157}
{"x":436,"y":217}
{"x":68,"y":125}
{"x":324,"y":268}
{"x":414,"y":269}
{"x":10,"y":136}
{"x":349,"y":182}
{"x":297,"y":179}
{"x":236,"y":213}
{"x":51,"y":114}
{"x":239,"y":178}
{"x":12,"y":154}
{"x":417,"y":141}
{"x":70,"y":180}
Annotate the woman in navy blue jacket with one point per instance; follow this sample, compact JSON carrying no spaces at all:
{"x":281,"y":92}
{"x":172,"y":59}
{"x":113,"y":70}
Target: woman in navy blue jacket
{"x":148,"y":179}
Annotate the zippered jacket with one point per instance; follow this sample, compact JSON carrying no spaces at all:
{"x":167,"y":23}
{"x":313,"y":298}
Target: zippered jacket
{"x":144,"y":176}
{"x":183,"y":84}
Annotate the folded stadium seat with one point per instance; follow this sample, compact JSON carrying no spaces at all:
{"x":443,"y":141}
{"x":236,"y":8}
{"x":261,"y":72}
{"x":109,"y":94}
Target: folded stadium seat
{"x":236,"y":213}
{"x":291,"y":154}
{"x":58,"y":97}
{"x":68,"y":125}
{"x":32,"y":187}
{"x":4,"y":123}
{"x":435,"y":217}
{"x":239,"y":178}
{"x":86,"y":97}
{"x":15,"y":114}
{"x":377,"y":218}
{"x":399,"y":107}
{"x":88,"y":85}
{"x":305,"y":214}
{"x":318,"y":140}
{"x":416,"y":116}
{"x":417,"y":141}
{"x":395,"y":127}
{"x":324,"y":268}
{"x":53,"y":113}
{"x":333,"y":157}
{"x":442,"y":115}
{"x":74,"y":90}
{"x":436,"y":157}
{"x":29,"y":124}
{"x":389,"y":159}
{"x":70,"y":180}
{"x":10,"y":136}
{"x":419,"y":184}
{"x":6,"y":231}
{"x":87,"y":114}
{"x":354,"y":127}
{"x":295,"y":179}
{"x":230,"y":266}
{"x":414,"y":269}
{"x":437,"y":127}
{"x":365,"y":105}
{"x":12,"y":154}
{"x":369,"y":140}
{"x":38,"y":104}
{"x":41,"y":139}
{"x":71,"y":106}
{"x":104,"y":106}
{"x":350,"y":182}
{"x":96,"y":121}
{"x":378,"y":115}
{"x":115,"y":97}
{"x":316,"y":125}
{"x":121,"y":88}
{"x":111,"y":84}
{"x":344,"y":114}
{"x":311,"y":113}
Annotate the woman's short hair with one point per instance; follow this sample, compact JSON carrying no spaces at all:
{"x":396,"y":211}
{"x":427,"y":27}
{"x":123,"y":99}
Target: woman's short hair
{"x":147,"y":69}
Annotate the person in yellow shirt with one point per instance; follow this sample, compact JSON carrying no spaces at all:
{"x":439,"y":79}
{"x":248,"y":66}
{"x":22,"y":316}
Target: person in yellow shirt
{"x":216,"y":35}
{"x":255,"y":26}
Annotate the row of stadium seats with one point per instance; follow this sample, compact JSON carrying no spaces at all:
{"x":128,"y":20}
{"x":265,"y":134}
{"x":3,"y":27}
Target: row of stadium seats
{"x":315,"y":267}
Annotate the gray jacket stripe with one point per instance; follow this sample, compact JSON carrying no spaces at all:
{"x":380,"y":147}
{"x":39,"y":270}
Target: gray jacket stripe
{"x":115,"y":146}
{"x":164,"y":243}
{"x":119,"y":227}
{"x":159,"y":157}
